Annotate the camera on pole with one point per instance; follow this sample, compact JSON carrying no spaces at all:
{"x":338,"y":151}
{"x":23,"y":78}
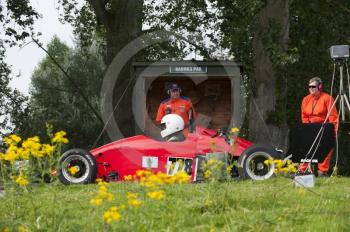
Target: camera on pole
{"x":339,"y":51}
{"x":340,"y":55}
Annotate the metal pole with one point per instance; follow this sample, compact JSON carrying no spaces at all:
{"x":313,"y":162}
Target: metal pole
{"x":347,"y":73}
{"x":347,"y":102}
{"x":341,"y":91}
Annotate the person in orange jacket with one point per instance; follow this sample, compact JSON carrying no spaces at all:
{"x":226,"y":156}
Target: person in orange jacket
{"x":176,"y":104}
{"x":314,"y":109}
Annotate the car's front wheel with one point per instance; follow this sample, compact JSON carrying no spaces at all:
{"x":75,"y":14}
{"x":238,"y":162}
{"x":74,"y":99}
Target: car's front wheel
{"x":77,"y":166}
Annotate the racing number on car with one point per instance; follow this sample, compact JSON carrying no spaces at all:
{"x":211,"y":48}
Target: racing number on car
{"x":179,"y":164}
{"x":188,"y":166}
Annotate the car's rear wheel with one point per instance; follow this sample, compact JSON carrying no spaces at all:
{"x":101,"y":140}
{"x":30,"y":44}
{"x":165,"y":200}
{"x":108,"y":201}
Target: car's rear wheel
{"x":77,"y":166}
{"x":252,"y":163}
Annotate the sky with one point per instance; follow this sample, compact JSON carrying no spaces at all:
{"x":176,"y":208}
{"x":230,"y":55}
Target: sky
{"x":24,"y":60}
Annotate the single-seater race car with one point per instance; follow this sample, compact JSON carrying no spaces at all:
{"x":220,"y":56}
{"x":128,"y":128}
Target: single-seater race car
{"x":118,"y":159}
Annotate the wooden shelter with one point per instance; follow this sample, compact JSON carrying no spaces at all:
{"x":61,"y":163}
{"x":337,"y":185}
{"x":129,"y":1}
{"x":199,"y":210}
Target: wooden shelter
{"x":214,"y":88}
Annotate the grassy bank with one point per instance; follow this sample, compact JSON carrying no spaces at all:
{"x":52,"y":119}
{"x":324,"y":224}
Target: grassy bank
{"x":272,"y":205}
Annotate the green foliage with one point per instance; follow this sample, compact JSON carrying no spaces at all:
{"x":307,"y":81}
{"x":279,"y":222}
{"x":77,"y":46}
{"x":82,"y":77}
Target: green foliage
{"x":56,"y":101}
{"x":30,"y":161}
{"x":11,"y":101}
{"x":193,"y":20}
{"x":17,"y":18}
{"x":238,"y":22}
{"x":83,"y":19}
{"x":193,"y":24}
{"x":272,"y":205}
{"x":16,"y":21}
{"x":312,"y":33}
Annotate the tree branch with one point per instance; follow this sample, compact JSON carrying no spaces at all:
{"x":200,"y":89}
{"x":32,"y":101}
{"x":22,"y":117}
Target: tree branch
{"x":101,"y":12}
{"x":200,"y":48}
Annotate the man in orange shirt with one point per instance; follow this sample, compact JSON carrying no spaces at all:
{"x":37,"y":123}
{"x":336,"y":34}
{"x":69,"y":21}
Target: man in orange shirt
{"x":176,"y":104}
{"x":314,"y":109}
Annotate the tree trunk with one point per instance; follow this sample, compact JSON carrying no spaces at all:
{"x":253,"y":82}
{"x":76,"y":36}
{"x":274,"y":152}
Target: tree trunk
{"x":264,"y":99}
{"x":122,"y":20}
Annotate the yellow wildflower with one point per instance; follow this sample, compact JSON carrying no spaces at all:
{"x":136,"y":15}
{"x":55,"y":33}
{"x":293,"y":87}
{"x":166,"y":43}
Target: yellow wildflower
{"x":168,"y":179}
{"x":211,"y":162}
{"x":147,"y":184}
{"x":207,"y":174}
{"x":282,"y":167}
{"x":157,"y":195}
{"x":132,"y":199}
{"x":155,"y":179}
{"x":111,"y":215}
{"x":134,"y":202}
{"x":33,"y":146}
{"x":301,"y":191}
{"x":102,"y":194}
{"x":128,"y":178}
{"x":143,"y":173}
{"x":48,"y":149}
{"x":59,"y":137}
{"x":234,"y":129}
{"x":73,"y":170}
{"x":96,"y":201}
{"x":23,"y":154}
{"x":34,"y":139}
{"x":22,"y":229}
{"x":11,"y":154}
{"x":22,"y":181}
{"x":102,"y":185}
{"x":12,"y":140}
{"x":292,"y":168}
{"x":106,"y":195}
{"x":182,"y":177}
{"x":132,"y":195}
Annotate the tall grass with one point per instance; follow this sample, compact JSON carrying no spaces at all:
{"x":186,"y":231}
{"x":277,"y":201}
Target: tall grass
{"x":272,"y":205}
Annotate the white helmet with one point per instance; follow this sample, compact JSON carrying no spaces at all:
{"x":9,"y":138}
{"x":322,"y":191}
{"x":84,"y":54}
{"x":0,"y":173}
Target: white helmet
{"x":170,"y":124}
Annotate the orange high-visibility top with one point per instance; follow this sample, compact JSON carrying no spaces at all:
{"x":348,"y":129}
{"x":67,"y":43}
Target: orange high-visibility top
{"x":180,"y":106}
{"x":314,"y":109}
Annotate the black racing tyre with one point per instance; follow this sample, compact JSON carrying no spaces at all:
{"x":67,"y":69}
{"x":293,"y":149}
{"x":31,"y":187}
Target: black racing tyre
{"x":86,"y":167}
{"x":251,"y":162}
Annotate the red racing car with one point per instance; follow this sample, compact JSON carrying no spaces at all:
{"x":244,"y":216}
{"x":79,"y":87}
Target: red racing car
{"x":114,"y":161}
